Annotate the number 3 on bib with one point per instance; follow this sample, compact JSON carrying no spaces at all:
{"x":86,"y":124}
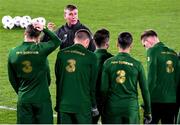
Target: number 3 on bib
{"x":71,"y":67}
{"x":27,"y":68}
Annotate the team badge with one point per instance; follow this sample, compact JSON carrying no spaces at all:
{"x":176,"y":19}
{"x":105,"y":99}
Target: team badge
{"x":65,"y":35}
{"x":169,"y":68}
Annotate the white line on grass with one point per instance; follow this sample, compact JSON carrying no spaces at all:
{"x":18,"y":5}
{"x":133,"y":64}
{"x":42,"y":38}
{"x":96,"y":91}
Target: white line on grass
{"x":14,"y":109}
{"x":8,"y":108}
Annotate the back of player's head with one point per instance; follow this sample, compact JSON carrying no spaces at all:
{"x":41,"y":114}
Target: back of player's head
{"x":31,"y":32}
{"x":125,"y":40}
{"x":70,"y":7}
{"x":83,"y":37}
{"x":101,"y":36}
{"x":148,"y":33}
{"x":83,"y":34}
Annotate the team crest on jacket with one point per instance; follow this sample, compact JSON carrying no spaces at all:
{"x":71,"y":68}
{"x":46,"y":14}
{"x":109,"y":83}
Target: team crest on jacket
{"x":64,"y":37}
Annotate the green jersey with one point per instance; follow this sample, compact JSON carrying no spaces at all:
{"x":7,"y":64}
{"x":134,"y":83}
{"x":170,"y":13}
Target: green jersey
{"x":120,"y":78}
{"x":102,"y":55}
{"x":29,"y":71}
{"x":76,"y":72}
{"x":162,"y":74}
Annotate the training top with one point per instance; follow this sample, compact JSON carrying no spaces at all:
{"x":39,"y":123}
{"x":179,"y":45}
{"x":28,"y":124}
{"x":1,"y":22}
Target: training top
{"x":120,"y":78}
{"x":28,"y":69}
{"x":67,"y":33}
{"x":102,"y":55}
{"x":76,"y":72}
{"x":162,"y":64}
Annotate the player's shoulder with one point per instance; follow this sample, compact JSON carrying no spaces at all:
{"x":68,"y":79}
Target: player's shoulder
{"x":63,"y":51}
{"x":109,"y":60}
{"x":14,"y":49}
{"x":60,"y":29}
{"x":153,"y":51}
{"x":134,"y":61}
{"x":172,"y":51}
{"x":103,"y":55}
{"x":91,"y":54}
{"x":168,"y":51}
{"x":82,"y":26}
{"x":107,"y":54}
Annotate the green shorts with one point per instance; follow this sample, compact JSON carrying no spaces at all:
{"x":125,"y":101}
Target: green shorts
{"x":74,"y":118}
{"x":34,"y":113}
{"x":122,"y":116}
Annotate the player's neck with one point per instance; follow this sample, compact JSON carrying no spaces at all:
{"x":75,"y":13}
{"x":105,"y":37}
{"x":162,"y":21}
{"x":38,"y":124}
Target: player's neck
{"x":102,"y":47}
{"x":70,"y":24}
{"x":124,"y":50}
{"x":155,"y":42}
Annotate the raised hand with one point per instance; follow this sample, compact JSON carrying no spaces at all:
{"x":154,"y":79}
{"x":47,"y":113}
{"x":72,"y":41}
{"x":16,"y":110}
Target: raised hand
{"x":51,"y":26}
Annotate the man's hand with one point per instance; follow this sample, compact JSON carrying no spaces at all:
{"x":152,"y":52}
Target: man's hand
{"x":147,"y":118}
{"x":51,"y":26}
{"x":38,"y":26}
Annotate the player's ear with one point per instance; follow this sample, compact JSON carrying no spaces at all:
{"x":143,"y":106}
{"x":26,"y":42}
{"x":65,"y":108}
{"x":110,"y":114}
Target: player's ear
{"x":107,"y":45}
{"x":74,"y":40}
{"x":87,"y":41}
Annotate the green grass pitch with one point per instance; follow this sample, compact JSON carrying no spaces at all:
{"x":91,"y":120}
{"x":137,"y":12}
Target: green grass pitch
{"x":116,"y":15}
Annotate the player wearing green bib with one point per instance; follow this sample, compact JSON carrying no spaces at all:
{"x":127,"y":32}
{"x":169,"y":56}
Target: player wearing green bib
{"x":120,"y":78}
{"x":101,"y":40}
{"x":28,"y":71}
{"x":162,"y":63}
{"x":178,"y":93}
{"x":76,"y":74}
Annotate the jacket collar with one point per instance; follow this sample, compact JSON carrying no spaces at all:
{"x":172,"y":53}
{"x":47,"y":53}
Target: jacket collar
{"x":100,"y":50}
{"x":73,"y":26}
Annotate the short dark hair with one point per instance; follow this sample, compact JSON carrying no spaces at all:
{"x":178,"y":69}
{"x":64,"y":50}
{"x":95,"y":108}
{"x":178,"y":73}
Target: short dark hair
{"x":83,"y":34}
{"x":70,"y":7}
{"x":125,"y":39}
{"x":148,"y":33}
{"x":32,"y":32}
{"x":101,"y":36}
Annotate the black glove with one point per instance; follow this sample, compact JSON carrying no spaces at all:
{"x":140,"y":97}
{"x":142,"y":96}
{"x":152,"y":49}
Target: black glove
{"x":147,"y":118}
{"x":94,"y":111}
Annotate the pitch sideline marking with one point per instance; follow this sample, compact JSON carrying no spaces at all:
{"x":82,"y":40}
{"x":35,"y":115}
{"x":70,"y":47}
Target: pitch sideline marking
{"x":8,"y":108}
{"x":14,"y":109}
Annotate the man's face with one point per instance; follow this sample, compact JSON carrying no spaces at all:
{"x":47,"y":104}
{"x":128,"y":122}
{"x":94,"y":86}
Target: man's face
{"x":147,"y":42}
{"x":71,"y":17}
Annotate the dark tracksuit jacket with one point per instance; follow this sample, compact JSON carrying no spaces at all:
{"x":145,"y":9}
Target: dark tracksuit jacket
{"x":66,"y":34}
